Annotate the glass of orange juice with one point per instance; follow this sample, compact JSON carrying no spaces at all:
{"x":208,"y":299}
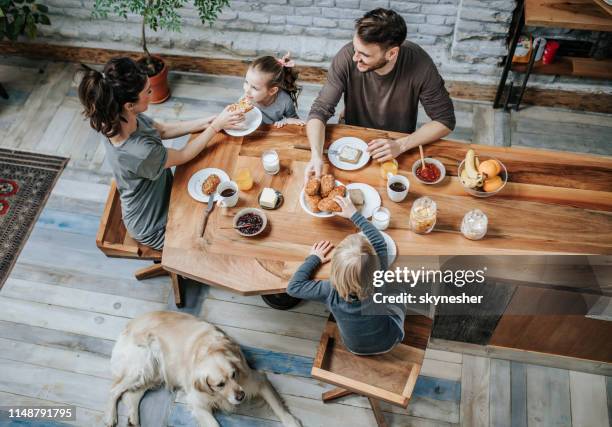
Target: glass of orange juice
{"x":388,"y":167}
{"x":244,"y":179}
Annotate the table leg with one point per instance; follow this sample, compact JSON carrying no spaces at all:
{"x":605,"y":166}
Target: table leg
{"x":281,"y":301}
{"x":527,"y":74}
{"x":3,"y":92}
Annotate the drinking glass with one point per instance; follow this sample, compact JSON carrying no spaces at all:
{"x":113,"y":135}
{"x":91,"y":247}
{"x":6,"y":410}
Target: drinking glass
{"x":388,"y":167}
{"x":381,"y":218}
{"x":271,"y":162}
{"x":244,"y":179}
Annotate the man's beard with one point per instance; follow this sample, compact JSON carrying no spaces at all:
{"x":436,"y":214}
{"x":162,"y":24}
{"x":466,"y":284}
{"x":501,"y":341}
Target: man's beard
{"x":376,"y":66}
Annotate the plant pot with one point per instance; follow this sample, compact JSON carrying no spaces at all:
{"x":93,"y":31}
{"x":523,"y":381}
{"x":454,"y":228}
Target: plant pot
{"x":159,"y":84}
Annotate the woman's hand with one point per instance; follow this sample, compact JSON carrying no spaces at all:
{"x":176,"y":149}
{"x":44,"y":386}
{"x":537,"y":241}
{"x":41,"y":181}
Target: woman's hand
{"x":227,"y":120}
{"x":322,"y":250}
{"x":347,"y":206}
{"x":289,"y":121}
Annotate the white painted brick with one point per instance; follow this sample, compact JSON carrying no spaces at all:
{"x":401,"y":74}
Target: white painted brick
{"x":342,"y":13}
{"x":349,"y":4}
{"x":436,"y":19}
{"x":325,"y":3}
{"x":309,"y":11}
{"x":324,"y":22}
{"x":346,"y":24}
{"x":300,"y":2}
{"x":278,"y":9}
{"x":439,"y":9}
{"x":414,"y":18}
{"x":299,"y":20}
{"x":481,"y":14}
{"x":267,"y":1}
{"x":504,"y":5}
{"x":402,"y":6}
{"x":293,"y":29}
{"x":435,"y":30}
{"x":366,"y":5}
{"x":317,"y":32}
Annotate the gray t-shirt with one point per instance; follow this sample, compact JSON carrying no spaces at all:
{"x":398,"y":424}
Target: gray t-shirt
{"x":281,"y":107}
{"x":144,"y":184}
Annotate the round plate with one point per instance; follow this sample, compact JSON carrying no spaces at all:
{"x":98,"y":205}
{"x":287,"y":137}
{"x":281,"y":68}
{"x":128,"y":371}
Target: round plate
{"x":353,"y":142}
{"x":279,"y":200}
{"x":391,"y":248}
{"x":251,"y":122}
{"x":194,"y":186}
{"x":308,"y":211}
{"x":370,"y":195}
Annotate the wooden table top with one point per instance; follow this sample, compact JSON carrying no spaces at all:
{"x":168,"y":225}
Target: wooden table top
{"x":573,"y":14}
{"x":554,"y":203}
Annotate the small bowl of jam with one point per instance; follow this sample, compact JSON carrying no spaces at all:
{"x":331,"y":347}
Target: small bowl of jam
{"x":250,"y":222}
{"x":433,"y":172}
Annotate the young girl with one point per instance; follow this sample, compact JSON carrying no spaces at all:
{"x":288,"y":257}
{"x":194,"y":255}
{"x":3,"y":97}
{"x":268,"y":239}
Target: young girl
{"x":347,"y":292}
{"x":270,"y":85}
{"x":113,"y":101}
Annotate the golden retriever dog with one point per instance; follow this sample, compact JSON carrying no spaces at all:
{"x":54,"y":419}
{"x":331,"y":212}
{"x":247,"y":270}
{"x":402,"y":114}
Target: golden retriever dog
{"x":183,"y":352}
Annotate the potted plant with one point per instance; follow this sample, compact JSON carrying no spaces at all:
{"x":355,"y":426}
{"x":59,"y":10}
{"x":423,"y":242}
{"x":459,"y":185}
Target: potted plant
{"x":20,"y":17}
{"x":157,"y":14}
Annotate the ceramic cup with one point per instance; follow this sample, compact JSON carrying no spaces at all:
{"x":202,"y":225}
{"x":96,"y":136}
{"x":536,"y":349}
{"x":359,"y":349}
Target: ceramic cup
{"x":228,"y":202}
{"x":397,"y":196}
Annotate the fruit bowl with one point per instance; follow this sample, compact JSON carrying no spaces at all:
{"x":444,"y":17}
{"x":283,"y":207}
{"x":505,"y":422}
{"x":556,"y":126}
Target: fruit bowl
{"x":480,"y":193}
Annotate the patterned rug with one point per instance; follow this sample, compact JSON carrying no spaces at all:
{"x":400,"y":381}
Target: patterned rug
{"x":26,"y":180}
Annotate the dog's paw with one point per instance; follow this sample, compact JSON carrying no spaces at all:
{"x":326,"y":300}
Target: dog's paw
{"x":110,"y":420}
{"x":291,"y":421}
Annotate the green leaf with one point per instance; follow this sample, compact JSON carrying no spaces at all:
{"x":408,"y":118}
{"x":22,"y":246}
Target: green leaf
{"x":29,"y":1}
{"x":44,"y":19}
{"x":42,"y":8}
{"x":30,"y":27}
{"x":1,"y":14}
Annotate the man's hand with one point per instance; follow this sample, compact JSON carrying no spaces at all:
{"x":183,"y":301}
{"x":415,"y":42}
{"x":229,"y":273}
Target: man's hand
{"x":322,"y":249}
{"x":384,"y":149}
{"x":314,"y":167}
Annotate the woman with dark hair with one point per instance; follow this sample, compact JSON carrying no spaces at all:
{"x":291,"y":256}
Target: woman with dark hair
{"x":114,"y":101}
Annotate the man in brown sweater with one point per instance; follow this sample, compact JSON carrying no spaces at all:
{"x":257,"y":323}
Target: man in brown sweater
{"x":382,"y":77}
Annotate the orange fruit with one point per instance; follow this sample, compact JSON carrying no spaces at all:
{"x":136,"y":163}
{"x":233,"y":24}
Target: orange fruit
{"x":490,"y":167}
{"x":492,"y":184}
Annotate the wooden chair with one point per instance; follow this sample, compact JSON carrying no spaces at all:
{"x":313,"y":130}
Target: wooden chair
{"x":114,"y":240}
{"x":389,"y":377}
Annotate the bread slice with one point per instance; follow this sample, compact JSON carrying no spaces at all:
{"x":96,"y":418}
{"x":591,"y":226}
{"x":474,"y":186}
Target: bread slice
{"x":350,"y":154}
{"x":356,"y":196}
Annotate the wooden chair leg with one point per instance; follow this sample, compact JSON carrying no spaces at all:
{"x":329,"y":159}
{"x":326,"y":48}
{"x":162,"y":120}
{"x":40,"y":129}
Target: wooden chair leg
{"x":176,"y":288}
{"x":335,"y":393}
{"x":154,"y":270}
{"x":380,"y":418}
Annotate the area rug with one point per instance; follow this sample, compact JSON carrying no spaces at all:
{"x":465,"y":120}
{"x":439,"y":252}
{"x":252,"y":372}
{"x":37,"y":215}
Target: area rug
{"x":26,"y":180}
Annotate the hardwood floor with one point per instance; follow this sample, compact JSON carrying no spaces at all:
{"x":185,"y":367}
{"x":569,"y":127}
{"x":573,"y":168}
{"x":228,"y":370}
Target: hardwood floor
{"x":65,"y":303}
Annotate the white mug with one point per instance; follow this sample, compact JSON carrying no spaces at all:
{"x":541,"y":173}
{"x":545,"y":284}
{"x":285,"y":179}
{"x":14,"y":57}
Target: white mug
{"x":397,"y":196}
{"x":228,"y":202}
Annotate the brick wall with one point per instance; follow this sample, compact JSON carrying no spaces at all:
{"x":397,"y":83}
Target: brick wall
{"x":466,"y":38}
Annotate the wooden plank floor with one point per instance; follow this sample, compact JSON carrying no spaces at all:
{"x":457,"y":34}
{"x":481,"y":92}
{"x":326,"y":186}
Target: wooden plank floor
{"x":65,"y":303}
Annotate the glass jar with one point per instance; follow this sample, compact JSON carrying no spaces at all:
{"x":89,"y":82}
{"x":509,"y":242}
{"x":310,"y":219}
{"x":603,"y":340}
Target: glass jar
{"x":474,"y":225}
{"x":244,"y":179}
{"x":423,"y":215}
{"x":388,"y":167}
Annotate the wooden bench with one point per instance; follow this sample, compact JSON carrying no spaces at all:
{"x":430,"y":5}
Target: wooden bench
{"x":389,"y":377}
{"x":114,"y":240}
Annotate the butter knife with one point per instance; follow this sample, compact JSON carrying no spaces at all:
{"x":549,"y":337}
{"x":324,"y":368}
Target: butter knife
{"x":211,"y":205}
{"x":325,"y":151}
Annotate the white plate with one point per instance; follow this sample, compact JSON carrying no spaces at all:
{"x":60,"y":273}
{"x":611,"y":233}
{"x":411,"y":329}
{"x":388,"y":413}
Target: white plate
{"x":251,"y":122}
{"x":370,"y":195}
{"x":391,"y":248}
{"x":353,"y":142}
{"x":308,"y":211}
{"x":194,"y":186}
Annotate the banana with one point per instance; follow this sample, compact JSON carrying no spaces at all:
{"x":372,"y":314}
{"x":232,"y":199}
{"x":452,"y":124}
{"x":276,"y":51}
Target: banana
{"x":470,"y":164}
{"x":467,"y":181}
{"x":476,"y":162}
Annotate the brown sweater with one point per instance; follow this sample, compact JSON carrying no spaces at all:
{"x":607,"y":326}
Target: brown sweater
{"x":388,"y":102}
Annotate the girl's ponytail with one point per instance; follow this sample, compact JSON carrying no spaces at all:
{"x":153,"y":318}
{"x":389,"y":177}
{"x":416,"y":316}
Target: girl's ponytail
{"x":103,"y":94}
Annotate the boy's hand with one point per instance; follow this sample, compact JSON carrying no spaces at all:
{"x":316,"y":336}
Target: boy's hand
{"x":347,"y":206}
{"x":322,"y":249}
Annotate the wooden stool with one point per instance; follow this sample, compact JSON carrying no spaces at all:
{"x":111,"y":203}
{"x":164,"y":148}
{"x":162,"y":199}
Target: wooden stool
{"x":114,"y":240}
{"x":389,"y":377}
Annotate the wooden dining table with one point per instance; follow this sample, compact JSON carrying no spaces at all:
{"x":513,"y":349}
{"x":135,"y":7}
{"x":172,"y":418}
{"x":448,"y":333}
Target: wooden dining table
{"x":554,"y":203}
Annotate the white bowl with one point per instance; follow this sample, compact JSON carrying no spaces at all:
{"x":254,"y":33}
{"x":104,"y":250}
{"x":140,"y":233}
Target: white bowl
{"x":429,"y":161}
{"x":256,"y":212}
{"x":477,"y":193}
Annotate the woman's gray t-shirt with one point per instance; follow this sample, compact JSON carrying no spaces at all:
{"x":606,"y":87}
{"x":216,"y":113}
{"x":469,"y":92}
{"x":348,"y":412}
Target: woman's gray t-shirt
{"x":143,"y":181}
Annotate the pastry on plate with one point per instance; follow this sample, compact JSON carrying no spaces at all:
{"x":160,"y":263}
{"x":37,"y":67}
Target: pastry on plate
{"x":312,"y":186}
{"x":350,"y":154}
{"x":328,"y":182}
{"x":210,"y":185}
{"x":328,"y":204}
{"x":313,"y":202}
{"x":338,"y":191}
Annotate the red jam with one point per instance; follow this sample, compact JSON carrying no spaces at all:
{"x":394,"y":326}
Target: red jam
{"x":430,"y":173}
